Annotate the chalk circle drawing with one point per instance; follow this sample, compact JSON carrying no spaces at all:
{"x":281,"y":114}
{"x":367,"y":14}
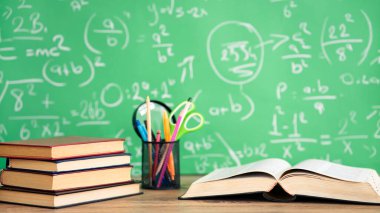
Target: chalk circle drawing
{"x":59,"y":74}
{"x":109,"y":32}
{"x":339,"y":43}
{"x":235,"y":52}
{"x":111,"y":91}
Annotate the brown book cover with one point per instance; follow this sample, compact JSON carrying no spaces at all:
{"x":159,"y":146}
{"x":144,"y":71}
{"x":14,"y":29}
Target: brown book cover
{"x":61,"y":147}
{"x":67,"y":198}
{"x":61,"y":181}
{"x":70,"y":164}
{"x":63,"y":192}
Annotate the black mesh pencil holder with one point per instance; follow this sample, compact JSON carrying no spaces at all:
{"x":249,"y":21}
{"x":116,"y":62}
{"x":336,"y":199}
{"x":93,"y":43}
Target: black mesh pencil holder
{"x":155,"y":174}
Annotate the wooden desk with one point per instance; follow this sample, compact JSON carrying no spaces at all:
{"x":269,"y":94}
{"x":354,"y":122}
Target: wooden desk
{"x":166,"y":201}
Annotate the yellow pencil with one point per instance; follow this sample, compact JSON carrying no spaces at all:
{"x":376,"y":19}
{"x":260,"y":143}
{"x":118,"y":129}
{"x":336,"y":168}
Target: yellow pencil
{"x":166,"y":126}
{"x":149,"y":131}
{"x":171,"y":168}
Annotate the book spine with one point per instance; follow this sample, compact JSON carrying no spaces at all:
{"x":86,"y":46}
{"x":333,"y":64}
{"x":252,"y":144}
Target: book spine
{"x":1,"y":177}
{"x":2,"y":170}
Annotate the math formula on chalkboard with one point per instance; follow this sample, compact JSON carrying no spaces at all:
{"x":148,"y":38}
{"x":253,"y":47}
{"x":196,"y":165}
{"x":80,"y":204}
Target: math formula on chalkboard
{"x":292,"y":79}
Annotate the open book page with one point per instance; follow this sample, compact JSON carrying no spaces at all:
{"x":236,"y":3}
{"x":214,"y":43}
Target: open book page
{"x":341,"y":172}
{"x":273,"y":166}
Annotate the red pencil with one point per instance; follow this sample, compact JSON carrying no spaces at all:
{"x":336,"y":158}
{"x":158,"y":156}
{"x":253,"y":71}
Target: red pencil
{"x":155,"y":164}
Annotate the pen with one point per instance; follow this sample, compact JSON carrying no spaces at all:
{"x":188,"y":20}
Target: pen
{"x":141,"y":130}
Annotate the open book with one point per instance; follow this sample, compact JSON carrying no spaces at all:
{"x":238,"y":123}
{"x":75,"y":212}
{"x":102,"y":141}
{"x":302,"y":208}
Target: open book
{"x":279,"y":181}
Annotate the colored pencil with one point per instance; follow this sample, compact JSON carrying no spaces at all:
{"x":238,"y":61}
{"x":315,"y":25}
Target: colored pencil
{"x":149,"y":132}
{"x":173,"y":138}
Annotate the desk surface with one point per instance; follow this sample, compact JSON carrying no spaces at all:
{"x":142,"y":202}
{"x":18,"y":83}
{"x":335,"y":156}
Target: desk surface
{"x":166,"y":201}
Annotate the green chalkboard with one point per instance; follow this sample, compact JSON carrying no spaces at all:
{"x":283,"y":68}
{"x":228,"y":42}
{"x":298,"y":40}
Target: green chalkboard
{"x":273,"y":78}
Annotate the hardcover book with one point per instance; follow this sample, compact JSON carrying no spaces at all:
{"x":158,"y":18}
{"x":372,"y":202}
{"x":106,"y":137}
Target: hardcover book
{"x":57,"y":181}
{"x":60,"y":199}
{"x":71,"y":164}
{"x":61,"y":147}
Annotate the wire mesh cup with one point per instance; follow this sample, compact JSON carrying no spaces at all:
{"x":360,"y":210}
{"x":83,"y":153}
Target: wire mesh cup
{"x":160,"y":169}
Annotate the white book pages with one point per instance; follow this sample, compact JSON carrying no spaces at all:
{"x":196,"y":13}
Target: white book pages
{"x":341,"y":172}
{"x":274,"y":167}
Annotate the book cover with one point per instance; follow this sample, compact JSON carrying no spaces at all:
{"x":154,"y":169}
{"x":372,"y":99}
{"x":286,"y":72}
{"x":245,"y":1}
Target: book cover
{"x":66,"y":172}
{"x":61,"y":147}
{"x":59,"y":141}
{"x":58,"y":181}
{"x":68,"y":198}
{"x":63,"y":192}
{"x":88,"y":157}
{"x":71,"y":164}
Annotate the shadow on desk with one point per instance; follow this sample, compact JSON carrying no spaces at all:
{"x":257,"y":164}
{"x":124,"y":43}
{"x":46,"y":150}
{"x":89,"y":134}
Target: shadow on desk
{"x":258,"y":197}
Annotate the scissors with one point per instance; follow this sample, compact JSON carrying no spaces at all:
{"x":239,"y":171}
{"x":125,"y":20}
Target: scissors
{"x":191,"y":114}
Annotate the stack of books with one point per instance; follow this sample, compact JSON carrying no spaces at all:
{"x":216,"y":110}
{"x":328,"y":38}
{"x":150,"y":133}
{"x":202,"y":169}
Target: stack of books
{"x":65,"y":171}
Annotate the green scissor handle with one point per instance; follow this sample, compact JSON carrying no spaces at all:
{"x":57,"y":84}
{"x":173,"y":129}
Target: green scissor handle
{"x":191,"y":114}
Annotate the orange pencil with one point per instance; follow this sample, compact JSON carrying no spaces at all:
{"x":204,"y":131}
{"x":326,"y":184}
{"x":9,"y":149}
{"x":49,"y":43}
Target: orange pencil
{"x":171,"y":168}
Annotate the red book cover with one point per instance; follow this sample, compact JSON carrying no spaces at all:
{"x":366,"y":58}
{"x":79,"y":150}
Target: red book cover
{"x":59,"y":141}
{"x":48,"y":148}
